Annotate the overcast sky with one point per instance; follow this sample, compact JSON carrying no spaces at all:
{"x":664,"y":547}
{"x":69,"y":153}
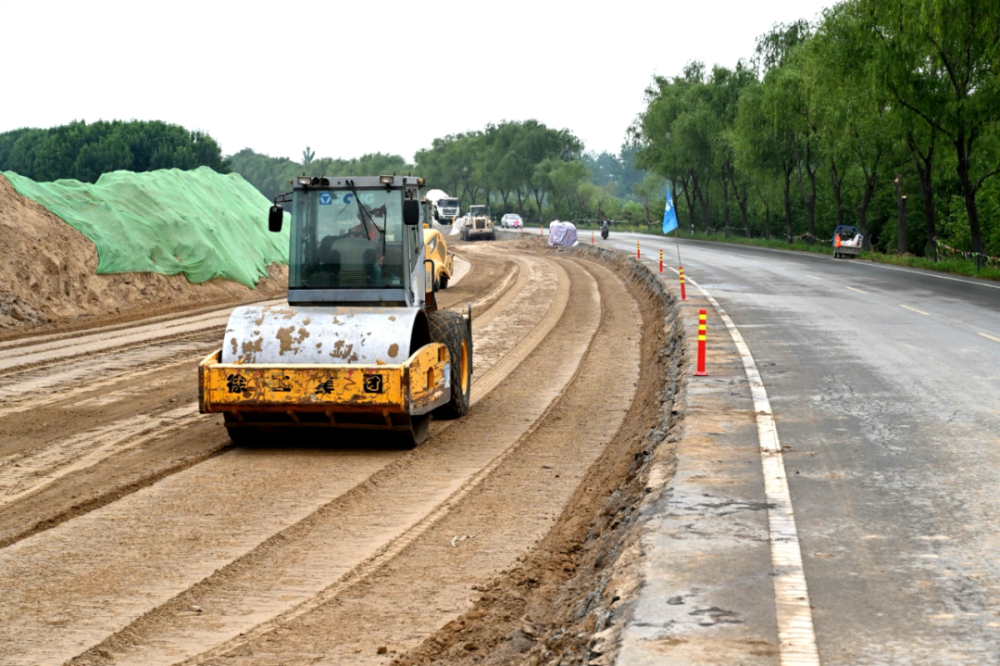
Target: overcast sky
{"x":349,"y":78}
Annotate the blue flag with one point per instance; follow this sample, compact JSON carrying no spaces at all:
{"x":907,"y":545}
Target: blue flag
{"x":669,"y":215}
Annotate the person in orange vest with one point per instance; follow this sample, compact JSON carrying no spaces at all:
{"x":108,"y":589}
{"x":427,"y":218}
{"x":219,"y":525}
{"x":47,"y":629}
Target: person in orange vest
{"x":836,"y":240}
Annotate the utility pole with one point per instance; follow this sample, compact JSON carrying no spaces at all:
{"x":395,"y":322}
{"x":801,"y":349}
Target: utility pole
{"x":901,"y":209}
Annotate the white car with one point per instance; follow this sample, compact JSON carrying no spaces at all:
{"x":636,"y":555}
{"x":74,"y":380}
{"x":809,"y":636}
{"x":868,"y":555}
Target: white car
{"x":511,"y":221}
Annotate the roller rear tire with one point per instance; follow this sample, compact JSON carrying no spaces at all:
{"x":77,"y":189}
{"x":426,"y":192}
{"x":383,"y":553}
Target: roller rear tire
{"x":242,"y":435}
{"x":450,"y":329}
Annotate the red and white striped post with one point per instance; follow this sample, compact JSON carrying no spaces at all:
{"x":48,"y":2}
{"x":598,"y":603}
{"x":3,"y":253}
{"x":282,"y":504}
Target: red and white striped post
{"x":702,"y":329}
{"x":680,"y":270}
{"x":591,"y":237}
{"x":638,"y":254}
{"x":661,"y":261}
{"x":539,"y":230}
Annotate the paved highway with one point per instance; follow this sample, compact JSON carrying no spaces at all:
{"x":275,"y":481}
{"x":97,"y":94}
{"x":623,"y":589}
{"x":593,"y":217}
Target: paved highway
{"x":885,"y":385}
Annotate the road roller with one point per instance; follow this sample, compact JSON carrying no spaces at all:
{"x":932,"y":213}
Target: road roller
{"x":361,"y":344}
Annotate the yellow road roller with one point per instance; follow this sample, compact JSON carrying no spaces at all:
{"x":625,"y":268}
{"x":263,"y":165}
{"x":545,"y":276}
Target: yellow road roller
{"x":361,"y":344}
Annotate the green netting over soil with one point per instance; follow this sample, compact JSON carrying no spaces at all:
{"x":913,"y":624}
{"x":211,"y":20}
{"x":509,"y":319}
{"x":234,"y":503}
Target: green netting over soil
{"x":201,"y":223}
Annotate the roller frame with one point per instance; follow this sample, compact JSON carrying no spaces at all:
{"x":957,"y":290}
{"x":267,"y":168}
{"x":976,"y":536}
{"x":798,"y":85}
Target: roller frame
{"x":414,"y":387}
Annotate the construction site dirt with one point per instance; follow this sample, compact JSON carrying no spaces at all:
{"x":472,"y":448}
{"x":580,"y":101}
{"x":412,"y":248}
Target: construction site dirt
{"x":133,"y":532}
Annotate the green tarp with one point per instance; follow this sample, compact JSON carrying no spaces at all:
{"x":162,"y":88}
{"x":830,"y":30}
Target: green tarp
{"x":201,"y":223}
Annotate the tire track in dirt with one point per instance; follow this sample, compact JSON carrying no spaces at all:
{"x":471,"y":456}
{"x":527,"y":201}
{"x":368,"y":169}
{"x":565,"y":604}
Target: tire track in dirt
{"x":361,"y":530}
{"x":147,"y":460}
{"x":117,"y":515}
{"x":85,"y":345}
{"x":26,"y":471}
{"x":405,"y":597}
{"x":41,"y":388}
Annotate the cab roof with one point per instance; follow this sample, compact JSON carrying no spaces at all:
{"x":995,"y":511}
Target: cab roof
{"x":360,"y":182}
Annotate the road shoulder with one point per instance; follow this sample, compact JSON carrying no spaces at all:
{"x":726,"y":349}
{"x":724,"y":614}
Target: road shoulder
{"x":706,"y":592}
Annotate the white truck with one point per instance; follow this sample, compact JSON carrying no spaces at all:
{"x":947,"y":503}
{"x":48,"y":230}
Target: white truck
{"x":443,"y":208}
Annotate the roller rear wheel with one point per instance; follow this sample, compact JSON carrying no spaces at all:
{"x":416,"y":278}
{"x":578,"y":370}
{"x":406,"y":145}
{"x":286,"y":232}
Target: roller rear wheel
{"x":450,"y":329}
{"x":241,"y":435}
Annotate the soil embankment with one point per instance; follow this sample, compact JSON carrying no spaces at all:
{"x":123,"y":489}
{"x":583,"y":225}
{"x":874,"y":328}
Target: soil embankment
{"x":499,"y":540}
{"x":49,"y":278}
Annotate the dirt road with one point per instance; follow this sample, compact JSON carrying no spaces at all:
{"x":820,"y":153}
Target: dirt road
{"x":132,"y":532}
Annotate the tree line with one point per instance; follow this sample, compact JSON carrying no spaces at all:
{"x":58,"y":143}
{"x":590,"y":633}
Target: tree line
{"x":271,"y":175}
{"x":84,"y":151}
{"x":882,"y":115}
{"x":515,"y":166}
{"x":536,"y":171}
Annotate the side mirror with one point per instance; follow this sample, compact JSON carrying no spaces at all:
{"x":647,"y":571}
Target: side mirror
{"x":411,"y":212}
{"x":275,"y":218}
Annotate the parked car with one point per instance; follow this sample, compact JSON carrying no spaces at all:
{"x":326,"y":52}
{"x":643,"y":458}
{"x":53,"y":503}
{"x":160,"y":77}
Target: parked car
{"x":511,"y":221}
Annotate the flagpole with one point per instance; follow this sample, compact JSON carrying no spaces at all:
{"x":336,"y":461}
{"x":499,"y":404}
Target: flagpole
{"x":677,"y":243}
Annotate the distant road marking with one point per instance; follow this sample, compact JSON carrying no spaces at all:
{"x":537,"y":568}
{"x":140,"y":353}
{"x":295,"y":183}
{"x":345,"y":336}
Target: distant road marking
{"x":914,"y":309}
{"x":813,"y":277}
{"x":796,"y":636}
{"x":857,"y":290}
{"x":987,"y":335}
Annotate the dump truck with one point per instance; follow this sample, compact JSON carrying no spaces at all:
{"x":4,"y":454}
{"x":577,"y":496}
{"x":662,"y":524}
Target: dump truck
{"x":478,"y":224}
{"x":444,"y":209}
{"x":361,"y":344}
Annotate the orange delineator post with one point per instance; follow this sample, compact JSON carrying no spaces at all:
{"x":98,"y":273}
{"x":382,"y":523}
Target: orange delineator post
{"x":702,"y":328}
{"x":638,"y":254}
{"x":661,"y":261}
{"x":683,"y":291}
{"x":591,"y":237}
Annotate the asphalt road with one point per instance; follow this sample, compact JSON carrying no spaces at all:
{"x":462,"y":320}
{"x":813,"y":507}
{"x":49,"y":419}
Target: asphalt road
{"x":885,"y":384}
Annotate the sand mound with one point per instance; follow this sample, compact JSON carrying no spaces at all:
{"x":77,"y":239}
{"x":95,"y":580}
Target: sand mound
{"x":48,"y":276}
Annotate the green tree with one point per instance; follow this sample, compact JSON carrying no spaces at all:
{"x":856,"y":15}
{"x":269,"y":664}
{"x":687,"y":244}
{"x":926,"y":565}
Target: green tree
{"x":939,"y":61}
{"x":84,"y":152}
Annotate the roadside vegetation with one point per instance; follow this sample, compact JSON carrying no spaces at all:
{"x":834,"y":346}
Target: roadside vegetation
{"x":944,"y":263}
{"x":882,"y":115}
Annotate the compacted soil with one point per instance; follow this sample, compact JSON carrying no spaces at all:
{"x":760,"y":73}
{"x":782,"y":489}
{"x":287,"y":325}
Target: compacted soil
{"x":133,"y":532}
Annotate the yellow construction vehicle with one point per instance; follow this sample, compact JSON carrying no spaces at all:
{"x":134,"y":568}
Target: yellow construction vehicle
{"x":436,"y":249}
{"x":361,"y":343}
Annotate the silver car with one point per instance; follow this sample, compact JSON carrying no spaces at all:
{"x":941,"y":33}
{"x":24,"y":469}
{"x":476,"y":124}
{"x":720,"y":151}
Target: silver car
{"x":511,"y":221}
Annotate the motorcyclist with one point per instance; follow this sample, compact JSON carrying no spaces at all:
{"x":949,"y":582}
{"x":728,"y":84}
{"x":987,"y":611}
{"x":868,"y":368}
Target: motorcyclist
{"x":605,"y":228}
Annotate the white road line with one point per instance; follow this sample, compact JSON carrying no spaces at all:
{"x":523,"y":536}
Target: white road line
{"x":914,"y":309}
{"x":987,"y":335}
{"x":857,"y":290}
{"x":813,"y":277}
{"x":796,"y":636}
